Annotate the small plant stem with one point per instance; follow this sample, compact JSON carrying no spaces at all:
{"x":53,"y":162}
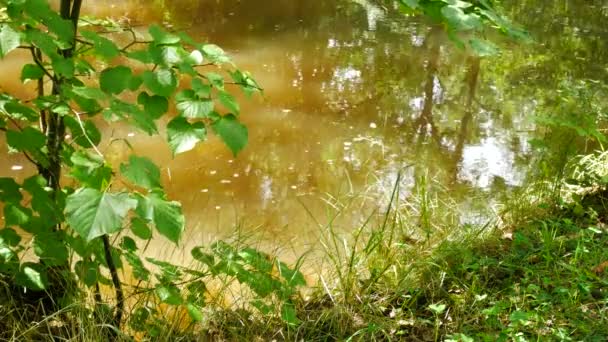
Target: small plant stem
{"x":120,"y":299}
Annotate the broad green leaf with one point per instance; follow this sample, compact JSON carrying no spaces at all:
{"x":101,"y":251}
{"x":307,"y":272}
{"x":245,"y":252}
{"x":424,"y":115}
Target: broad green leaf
{"x":459,"y":3}
{"x":214,"y":53}
{"x":154,"y":105}
{"x":413,"y":4}
{"x":215,"y":79}
{"x":169,"y":294}
{"x":167,"y":55}
{"x":92,"y":213}
{"x":166,"y":215}
{"x":16,"y":215}
{"x":89,"y":93}
{"x":43,"y":41}
{"x":115,"y":80}
{"x":19,"y":111}
{"x":90,"y":169}
{"x":31,"y":72}
{"x":85,"y":134}
{"x":140,"y":228}
{"x":161,"y":82}
{"x":194,"y":58}
{"x":137,"y":266}
{"x":141,"y":171}
{"x":288,"y":314}
{"x":202,"y":90}
{"x":194,"y":312}
{"x":63,"y":66}
{"x":293,"y":277}
{"x":183,"y":136}
{"x":232,"y":132}
{"x":51,"y":249}
{"x":128,"y":244}
{"x":9,"y":40}
{"x":29,"y":139}
{"x":140,"y":118}
{"x":32,"y":276}
{"x":143,"y":56}
{"x":437,"y":308}
{"x":460,"y":20}
{"x":103,"y":46}
{"x":9,"y":237}
{"x":229,"y":102}
{"x":64,"y":29}
{"x":483,"y":48}
{"x":519,"y":316}
{"x":190,"y":106}
{"x":87,"y":272}
{"x":41,"y":202}
{"x":161,"y":37}
{"x":42,"y":12}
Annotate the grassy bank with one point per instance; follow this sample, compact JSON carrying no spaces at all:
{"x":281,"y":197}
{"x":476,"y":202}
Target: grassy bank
{"x":541,"y":274}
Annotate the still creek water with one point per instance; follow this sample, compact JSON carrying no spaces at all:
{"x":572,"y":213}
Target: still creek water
{"x":354,"y":95}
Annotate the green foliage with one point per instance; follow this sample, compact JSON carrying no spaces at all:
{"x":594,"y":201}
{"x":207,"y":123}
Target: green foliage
{"x":58,"y":131}
{"x":467,"y":22}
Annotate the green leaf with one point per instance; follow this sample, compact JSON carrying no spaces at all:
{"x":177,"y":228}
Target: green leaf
{"x":140,"y":228}
{"x":9,"y":191}
{"x":216,"y":80}
{"x":518,"y":316}
{"x":232,"y":132}
{"x":87,"y":272}
{"x":16,"y":215}
{"x":139,"y":270}
{"x":154,"y":105}
{"x":63,"y":66}
{"x":413,"y":4}
{"x":202,"y":90}
{"x":194,"y":312}
{"x":161,"y":82}
{"x":86,"y":135}
{"x":437,"y":308}
{"x":194,"y":58}
{"x":293,"y":277}
{"x":483,"y":48}
{"x":90,"y":169}
{"x":42,"y":202}
{"x":166,"y":215}
{"x":32,"y":276}
{"x":214,"y":53}
{"x":29,"y":139}
{"x":9,"y":237}
{"x":183,"y":136}
{"x":115,"y":80}
{"x":89,"y":93}
{"x":31,"y":72}
{"x":102,"y":46}
{"x":92,"y":213}
{"x":128,"y":244}
{"x":169,"y":294}
{"x":190,"y":106}
{"x":9,"y":40}
{"x":460,"y":20}
{"x":141,"y":171}
{"x":19,"y":111}
{"x":161,"y":37}
{"x":50,"y":249}
{"x":229,"y":102}
{"x":288,"y":314}
{"x":167,"y":55}
{"x":140,"y":118}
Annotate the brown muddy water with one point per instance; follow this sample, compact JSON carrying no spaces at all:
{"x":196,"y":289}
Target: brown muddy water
{"x":355,"y":94}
